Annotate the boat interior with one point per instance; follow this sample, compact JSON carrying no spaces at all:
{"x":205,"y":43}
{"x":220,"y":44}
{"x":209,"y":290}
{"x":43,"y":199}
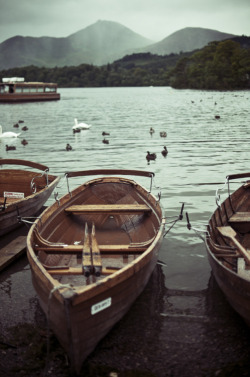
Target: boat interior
{"x":102,"y":229}
{"x":17,"y":184}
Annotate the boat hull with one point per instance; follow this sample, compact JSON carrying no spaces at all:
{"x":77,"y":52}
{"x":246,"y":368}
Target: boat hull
{"x":225,"y":256}
{"x":82,"y":314}
{"x":16,"y":97}
{"x":17,"y":180}
{"x":235,"y":288}
{"x":87,"y":329}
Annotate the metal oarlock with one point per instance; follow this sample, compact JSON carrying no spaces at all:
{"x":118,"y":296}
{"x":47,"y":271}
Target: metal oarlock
{"x":198,"y":232}
{"x":176,"y":218}
{"x":217,"y":195}
{"x":33,"y":185}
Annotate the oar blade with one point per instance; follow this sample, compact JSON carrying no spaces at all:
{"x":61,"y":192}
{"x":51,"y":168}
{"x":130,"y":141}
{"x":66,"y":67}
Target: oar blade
{"x":226,"y":231}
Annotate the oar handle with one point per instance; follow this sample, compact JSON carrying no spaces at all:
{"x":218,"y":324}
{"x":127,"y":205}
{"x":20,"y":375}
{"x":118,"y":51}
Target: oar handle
{"x":243,"y":251}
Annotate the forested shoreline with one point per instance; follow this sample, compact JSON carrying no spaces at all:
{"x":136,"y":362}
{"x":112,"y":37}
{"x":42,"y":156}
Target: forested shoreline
{"x":219,"y":66}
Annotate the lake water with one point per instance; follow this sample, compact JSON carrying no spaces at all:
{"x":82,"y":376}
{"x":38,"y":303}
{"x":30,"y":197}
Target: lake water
{"x":190,"y":326}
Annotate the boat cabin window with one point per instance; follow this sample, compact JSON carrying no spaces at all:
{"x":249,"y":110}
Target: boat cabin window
{"x":50,"y":89}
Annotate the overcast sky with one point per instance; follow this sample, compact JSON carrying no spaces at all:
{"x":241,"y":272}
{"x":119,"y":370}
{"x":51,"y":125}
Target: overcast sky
{"x":153,"y":19}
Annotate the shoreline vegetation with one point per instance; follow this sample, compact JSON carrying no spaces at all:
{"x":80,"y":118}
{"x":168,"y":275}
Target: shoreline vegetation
{"x":221,"y":65}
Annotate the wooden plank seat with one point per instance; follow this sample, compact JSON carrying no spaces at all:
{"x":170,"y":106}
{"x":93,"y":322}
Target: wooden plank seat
{"x":108,"y":208}
{"x":240,"y":217}
{"x":61,"y":248}
{"x":104,"y":249}
{"x":61,"y":270}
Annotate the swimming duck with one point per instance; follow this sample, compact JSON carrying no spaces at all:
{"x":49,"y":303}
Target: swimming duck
{"x":68,"y":147}
{"x":164,"y":152}
{"x":151,"y":156}
{"x":10,"y":148}
{"x":24,"y":142}
{"x":163,"y":134}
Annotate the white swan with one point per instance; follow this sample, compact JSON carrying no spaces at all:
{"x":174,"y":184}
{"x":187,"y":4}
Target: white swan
{"x":8,"y":134}
{"x":80,"y":126}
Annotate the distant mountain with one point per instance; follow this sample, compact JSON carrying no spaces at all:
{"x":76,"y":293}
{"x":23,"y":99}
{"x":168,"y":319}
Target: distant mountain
{"x":106,"y":41}
{"x":98,"y":44}
{"x":184,"y":40}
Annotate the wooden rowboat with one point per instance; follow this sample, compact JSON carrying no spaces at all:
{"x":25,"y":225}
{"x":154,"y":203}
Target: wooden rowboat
{"x":22,"y":192}
{"x":228,"y":246}
{"x":91,"y":255}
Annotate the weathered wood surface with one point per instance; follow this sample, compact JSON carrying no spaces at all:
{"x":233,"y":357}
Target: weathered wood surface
{"x":98,"y":274}
{"x":12,"y":250}
{"x":112,"y":208}
{"x":227,"y":231}
{"x":240,"y":217}
{"x":228,"y":246}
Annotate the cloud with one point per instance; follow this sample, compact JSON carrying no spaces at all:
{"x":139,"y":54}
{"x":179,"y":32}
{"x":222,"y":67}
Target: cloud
{"x":155,"y":19}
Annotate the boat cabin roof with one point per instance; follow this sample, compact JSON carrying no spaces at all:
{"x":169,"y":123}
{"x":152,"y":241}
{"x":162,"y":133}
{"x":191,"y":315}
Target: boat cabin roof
{"x":20,"y":81}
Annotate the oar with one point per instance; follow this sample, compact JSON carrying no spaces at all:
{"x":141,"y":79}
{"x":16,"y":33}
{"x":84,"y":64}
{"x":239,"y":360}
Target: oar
{"x":86,"y":254}
{"x":97,"y":260}
{"x":227,"y":231}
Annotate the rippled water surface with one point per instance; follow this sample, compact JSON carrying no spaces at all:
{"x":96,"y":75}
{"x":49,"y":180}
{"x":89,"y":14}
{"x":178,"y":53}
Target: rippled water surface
{"x":202,"y":150}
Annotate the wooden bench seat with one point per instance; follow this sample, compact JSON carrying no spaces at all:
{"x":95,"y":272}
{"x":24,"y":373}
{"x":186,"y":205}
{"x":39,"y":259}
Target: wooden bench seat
{"x":104,"y":249}
{"x":240,"y":217}
{"x":52,"y":270}
{"x":108,"y":208}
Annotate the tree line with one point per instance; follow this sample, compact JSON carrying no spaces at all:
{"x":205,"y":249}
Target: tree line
{"x":220,"y":65}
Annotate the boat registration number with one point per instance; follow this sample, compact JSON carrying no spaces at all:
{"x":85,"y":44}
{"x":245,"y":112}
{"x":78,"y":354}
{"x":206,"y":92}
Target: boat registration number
{"x":17,"y":195}
{"x":100,"y":306}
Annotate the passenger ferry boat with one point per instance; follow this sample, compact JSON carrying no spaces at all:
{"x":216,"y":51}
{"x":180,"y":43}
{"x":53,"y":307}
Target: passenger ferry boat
{"x":15,"y":89}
